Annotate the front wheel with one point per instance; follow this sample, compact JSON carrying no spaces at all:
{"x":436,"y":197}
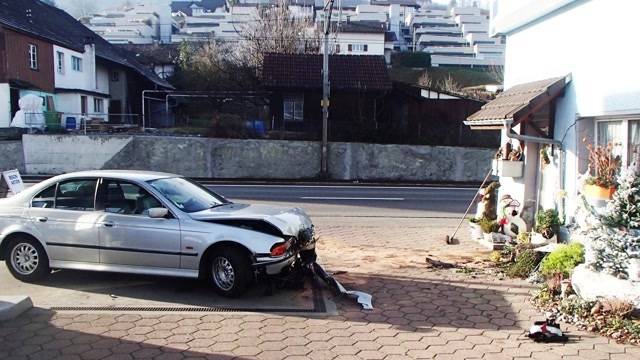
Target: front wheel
{"x":230,"y":272}
{"x":27,"y":260}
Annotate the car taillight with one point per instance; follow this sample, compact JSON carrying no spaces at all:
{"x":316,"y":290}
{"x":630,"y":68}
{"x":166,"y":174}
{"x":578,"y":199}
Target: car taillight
{"x":280,"y":248}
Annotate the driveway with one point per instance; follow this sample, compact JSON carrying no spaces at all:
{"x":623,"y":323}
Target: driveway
{"x":420,"y":312}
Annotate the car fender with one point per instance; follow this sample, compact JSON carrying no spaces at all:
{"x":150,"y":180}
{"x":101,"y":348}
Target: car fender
{"x":24,"y":229}
{"x":198,"y":236}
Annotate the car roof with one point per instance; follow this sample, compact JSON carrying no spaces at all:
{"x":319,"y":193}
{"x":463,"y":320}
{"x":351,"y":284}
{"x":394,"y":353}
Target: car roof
{"x":132,"y":175}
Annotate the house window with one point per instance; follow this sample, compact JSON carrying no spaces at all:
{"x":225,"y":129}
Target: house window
{"x":337,"y":48}
{"x":60,"y":62}
{"x":293,"y":108}
{"x":623,"y":135}
{"x":33,"y":57}
{"x":115,"y":76}
{"x":76,"y":63}
{"x":98,"y":105}
{"x":358,"y":47}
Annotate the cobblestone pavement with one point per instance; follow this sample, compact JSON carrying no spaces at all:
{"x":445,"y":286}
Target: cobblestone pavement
{"x":420,"y":313}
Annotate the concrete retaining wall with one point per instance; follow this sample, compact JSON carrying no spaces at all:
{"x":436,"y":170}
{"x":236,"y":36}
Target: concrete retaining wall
{"x":11,"y":156}
{"x":253,"y":159}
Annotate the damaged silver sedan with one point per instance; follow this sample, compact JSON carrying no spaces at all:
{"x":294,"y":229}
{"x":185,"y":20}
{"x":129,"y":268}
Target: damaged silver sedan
{"x":149,"y":223}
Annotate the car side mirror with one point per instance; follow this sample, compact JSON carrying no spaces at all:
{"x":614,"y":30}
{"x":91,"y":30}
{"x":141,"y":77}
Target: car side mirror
{"x":158,"y":213}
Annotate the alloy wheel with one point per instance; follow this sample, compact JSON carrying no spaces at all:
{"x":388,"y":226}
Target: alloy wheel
{"x":25,"y":258}
{"x":223,"y":273}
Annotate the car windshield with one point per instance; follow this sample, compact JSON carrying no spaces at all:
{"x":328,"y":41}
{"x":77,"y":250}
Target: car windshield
{"x":188,"y":195}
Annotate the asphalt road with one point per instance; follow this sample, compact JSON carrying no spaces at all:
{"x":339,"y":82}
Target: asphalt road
{"x":357,"y":201}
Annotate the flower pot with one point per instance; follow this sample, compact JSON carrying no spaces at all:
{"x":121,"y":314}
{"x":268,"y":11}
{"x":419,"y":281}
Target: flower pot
{"x":475,"y":231}
{"x":598,"y":192}
{"x":507,"y":168}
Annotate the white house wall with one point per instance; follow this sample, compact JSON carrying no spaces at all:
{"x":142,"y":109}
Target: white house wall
{"x":5,"y":105}
{"x":576,"y":40}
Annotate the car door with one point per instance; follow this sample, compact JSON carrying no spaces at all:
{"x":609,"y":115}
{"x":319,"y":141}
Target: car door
{"x":64,"y":216}
{"x":128,"y":236}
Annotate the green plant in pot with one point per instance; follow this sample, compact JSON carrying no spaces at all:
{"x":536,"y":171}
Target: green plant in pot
{"x":547,"y":226}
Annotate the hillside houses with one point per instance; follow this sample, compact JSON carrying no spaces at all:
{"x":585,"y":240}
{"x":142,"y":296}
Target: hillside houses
{"x":79,"y":75}
{"x":455,"y":37}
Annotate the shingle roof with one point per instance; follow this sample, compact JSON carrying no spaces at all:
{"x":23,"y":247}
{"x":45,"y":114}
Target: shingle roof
{"x":185,"y":5}
{"x":41,"y":20}
{"x":346,"y":72}
{"x":153,"y":53}
{"x":360,"y":27}
{"x":518,"y":102}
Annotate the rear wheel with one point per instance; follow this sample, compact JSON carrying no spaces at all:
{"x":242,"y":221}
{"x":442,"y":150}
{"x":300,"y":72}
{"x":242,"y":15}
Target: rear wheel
{"x":229,"y":272}
{"x":26,"y":259}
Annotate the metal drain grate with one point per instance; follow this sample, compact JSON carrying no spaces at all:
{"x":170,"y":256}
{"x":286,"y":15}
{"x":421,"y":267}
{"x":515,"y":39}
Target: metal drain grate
{"x":318,"y":307}
{"x":175,"y":309}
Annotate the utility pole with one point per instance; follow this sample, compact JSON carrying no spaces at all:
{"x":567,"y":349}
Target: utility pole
{"x":328,"y":8}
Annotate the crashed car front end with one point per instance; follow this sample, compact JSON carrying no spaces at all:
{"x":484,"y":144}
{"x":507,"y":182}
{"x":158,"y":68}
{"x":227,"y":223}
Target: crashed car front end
{"x":284,"y":254}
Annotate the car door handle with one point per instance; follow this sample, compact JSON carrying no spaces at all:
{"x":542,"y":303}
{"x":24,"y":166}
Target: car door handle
{"x":108,"y":224}
{"x":42,"y":219}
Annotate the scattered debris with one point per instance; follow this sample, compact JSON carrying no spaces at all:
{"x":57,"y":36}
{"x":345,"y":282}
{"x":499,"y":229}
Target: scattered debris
{"x":437,"y":264}
{"x":362,"y":298}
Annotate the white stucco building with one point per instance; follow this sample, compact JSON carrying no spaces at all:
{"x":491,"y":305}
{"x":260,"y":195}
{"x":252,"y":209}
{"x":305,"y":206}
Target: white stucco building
{"x":585,"y":94}
{"x":459,"y":37}
{"x":81,"y":85}
{"x":137,"y":24}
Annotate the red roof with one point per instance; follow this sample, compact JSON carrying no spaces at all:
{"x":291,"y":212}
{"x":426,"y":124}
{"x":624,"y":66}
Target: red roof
{"x":346,"y":72}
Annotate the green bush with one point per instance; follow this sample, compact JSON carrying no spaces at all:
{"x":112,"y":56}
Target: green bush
{"x":525,"y":263}
{"x":489,"y":226}
{"x":563,"y":260}
{"x":547,"y":222}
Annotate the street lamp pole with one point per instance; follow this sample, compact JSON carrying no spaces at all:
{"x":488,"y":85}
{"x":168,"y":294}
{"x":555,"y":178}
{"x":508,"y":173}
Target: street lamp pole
{"x":325,"y":89}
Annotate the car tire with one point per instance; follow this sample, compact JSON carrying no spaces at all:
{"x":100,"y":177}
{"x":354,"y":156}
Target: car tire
{"x":26,"y":259}
{"x":229,"y":271}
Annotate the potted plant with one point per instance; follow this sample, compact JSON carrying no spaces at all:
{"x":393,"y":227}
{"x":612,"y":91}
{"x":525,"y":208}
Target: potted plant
{"x":604,"y":166}
{"x":475,"y":230}
{"x":547,"y":227}
{"x":508,"y":162}
{"x":491,"y":233}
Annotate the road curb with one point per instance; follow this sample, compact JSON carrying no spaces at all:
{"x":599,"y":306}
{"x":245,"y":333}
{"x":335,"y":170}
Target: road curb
{"x":12,"y":306}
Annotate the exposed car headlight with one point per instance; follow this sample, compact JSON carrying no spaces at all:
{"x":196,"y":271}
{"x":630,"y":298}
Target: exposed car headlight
{"x":280,"y":249}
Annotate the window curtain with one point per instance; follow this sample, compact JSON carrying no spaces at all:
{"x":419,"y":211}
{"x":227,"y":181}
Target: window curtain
{"x":610,"y":132}
{"x":634,"y":139}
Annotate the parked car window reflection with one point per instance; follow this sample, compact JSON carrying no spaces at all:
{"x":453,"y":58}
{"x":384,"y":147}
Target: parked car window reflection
{"x":76,"y":195}
{"x":126,"y":198}
{"x":45,"y":199}
{"x":187,"y":195}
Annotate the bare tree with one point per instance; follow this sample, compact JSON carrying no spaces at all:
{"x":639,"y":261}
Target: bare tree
{"x":276,"y":31}
{"x":496,"y":72}
{"x":449,"y":84}
{"x":425,"y":80}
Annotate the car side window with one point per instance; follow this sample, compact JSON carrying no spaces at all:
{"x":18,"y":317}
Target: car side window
{"x":45,"y":199}
{"x":120,"y":197}
{"x":76,"y":194}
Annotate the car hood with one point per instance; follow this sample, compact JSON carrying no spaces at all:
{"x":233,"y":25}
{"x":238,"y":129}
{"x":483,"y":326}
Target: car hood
{"x":288,"y":220}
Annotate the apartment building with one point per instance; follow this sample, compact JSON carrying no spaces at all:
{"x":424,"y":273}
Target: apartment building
{"x":459,"y":37}
{"x":137,"y":24}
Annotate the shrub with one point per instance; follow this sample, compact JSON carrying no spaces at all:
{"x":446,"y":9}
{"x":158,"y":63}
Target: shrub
{"x":524,"y":265}
{"x":495,"y":257}
{"x":547,"y":222}
{"x":524,"y":238}
{"x":563,"y":260}
{"x":489,"y":226}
